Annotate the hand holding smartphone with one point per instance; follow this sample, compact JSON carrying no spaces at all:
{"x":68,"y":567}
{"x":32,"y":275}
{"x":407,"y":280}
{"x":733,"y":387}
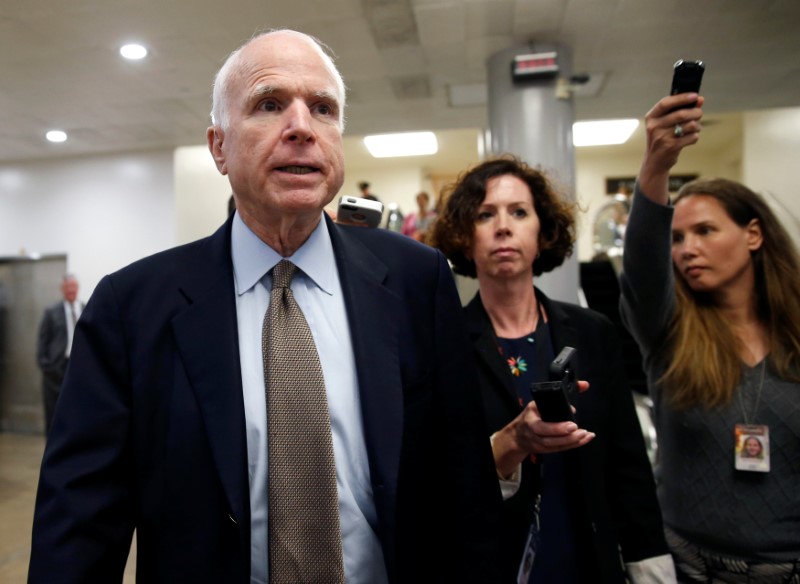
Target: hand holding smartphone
{"x":553,"y":397}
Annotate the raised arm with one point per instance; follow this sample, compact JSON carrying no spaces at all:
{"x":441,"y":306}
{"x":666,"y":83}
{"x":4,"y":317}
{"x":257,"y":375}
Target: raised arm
{"x":646,"y":282}
{"x":669,"y":131}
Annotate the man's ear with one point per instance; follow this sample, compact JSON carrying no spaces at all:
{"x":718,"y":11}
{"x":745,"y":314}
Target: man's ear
{"x":755,"y":237}
{"x":216,"y":136}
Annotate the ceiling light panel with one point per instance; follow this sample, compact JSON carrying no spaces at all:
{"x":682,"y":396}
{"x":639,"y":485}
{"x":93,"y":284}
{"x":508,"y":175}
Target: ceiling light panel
{"x":405,"y":144}
{"x":133,"y":51}
{"x":56,"y":136}
{"x":603,"y":132}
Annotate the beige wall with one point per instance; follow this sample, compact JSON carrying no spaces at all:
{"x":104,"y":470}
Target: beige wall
{"x":106,"y":211}
{"x":772,"y":161}
{"x":594,"y":165}
{"x":765,"y":159}
{"x":201,"y":193}
{"x":103,"y":212}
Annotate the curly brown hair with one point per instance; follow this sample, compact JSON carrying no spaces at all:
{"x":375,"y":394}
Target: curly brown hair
{"x":454,"y":230}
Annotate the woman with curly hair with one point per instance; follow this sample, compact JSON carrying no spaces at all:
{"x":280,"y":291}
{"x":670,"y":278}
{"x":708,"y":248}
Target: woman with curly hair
{"x":711,"y":292}
{"x":587,"y":486}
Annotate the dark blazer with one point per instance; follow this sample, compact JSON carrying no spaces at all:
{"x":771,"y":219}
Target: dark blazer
{"x":150,"y":432}
{"x":616,"y":487}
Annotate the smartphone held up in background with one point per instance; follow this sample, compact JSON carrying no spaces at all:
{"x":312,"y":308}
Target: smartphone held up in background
{"x":686,"y":78}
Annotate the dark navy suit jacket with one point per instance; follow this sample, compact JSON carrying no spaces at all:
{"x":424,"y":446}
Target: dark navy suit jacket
{"x":150,"y":432}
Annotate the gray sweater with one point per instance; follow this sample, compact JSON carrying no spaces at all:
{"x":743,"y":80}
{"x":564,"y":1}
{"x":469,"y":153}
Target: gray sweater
{"x":703,"y":497}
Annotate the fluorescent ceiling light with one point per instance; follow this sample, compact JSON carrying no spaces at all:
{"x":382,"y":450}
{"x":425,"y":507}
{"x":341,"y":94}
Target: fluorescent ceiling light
{"x":56,"y":136}
{"x":603,"y":132}
{"x":133,"y":51}
{"x":406,"y":144}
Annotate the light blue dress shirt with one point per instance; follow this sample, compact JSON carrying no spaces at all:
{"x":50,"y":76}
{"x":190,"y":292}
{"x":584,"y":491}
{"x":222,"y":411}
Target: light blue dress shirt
{"x":318,"y":292}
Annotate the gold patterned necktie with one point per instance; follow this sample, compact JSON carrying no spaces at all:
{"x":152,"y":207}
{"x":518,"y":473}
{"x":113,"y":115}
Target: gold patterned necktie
{"x":305,"y":543}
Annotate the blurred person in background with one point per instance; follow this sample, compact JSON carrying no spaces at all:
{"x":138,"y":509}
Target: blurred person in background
{"x":363,"y":186}
{"x":416,"y":225}
{"x":54,"y":343}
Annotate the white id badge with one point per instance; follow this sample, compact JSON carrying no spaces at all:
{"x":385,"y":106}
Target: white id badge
{"x":526,"y":565}
{"x":752,"y":447}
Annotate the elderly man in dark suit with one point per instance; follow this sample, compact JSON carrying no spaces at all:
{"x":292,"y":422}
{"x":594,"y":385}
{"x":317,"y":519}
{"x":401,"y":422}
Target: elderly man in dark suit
{"x":163,"y":425}
{"x":55,"y":342}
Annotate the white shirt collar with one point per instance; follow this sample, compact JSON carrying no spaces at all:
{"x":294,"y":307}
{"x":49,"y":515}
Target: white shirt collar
{"x":252,"y":258}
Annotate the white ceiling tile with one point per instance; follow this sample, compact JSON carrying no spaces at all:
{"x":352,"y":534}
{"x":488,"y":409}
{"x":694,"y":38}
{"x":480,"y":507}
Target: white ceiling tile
{"x":489,"y":17}
{"x":404,"y":61}
{"x":533,"y":18}
{"x":441,"y":24}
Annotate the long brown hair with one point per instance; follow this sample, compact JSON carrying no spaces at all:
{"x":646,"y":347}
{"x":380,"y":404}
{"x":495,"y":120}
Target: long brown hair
{"x":704,"y":355}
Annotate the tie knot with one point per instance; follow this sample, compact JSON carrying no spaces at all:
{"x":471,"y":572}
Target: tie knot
{"x":282,"y":274}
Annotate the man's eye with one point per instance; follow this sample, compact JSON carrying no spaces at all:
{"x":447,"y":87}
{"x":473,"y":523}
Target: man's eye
{"x":268,"y":105}
{"x":676,"y":238}
{"x":325,"y":109}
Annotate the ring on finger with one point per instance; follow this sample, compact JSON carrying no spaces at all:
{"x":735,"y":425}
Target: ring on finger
{"x":678,"y":131}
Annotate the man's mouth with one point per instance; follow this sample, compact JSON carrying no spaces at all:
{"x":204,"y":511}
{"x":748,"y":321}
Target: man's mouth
{"x":296,"y":169}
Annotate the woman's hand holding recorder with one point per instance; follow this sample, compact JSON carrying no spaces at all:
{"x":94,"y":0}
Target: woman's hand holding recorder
{"x":528,"y":434}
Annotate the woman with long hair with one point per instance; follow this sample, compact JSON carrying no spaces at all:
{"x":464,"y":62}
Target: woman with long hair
{"x":711,"y":292}
{"x":583,"y":491}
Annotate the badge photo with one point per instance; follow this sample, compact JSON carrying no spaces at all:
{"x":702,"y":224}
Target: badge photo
{"x":752,"y":448}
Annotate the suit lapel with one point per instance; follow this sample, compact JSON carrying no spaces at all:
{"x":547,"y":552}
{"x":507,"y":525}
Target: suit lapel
{"x":206,"y":337}
{"x":562,"y":330}
{"x":487,"y":350}
{"x":565,"y":333}
{"x":372,"y":312}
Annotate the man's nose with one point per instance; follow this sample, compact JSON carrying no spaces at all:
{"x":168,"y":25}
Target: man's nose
{"x":298,"y":123}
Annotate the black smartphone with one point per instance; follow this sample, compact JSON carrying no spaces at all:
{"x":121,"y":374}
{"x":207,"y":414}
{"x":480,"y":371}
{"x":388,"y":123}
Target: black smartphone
{"x":359,"y":211}
{"x":686,"y":78}
{"x":553,"y":397}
